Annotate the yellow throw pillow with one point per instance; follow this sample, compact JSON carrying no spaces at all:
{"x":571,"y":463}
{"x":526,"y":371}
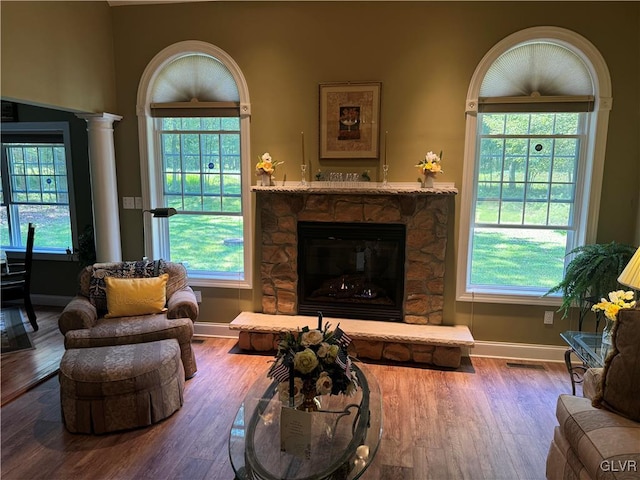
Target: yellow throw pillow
{"x":127,"y":297}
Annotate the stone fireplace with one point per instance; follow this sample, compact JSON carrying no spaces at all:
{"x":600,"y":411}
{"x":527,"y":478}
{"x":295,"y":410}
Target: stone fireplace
{"x":424,"y":217}
{"x":424,"y":214}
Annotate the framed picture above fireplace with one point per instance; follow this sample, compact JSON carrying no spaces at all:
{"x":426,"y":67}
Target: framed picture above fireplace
{"x":349,"y":120}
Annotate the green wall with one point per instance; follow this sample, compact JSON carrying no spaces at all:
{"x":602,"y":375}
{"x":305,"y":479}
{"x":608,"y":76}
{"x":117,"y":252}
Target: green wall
{"x":58,"y":54}
{"x":424,"y":53}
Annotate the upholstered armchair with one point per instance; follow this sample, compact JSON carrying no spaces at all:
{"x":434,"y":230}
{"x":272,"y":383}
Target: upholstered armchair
{"x":108,"y":310}
{"x":598,"y":435}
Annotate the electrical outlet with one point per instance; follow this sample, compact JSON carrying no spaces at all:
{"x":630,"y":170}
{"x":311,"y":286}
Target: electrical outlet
{"x":198,"y":294}
{"x":128,"y":203}
{"x":548,"y":317}
{"x":138,"y":202}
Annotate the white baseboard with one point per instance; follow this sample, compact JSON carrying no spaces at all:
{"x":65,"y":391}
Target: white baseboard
{"x":209,"y":329}
{"x":519,"y":351}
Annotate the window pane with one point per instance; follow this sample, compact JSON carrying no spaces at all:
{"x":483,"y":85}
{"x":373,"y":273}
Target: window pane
{"x":513,"y":191}
{"x":535,"y":213}
{"x":517,"y":257}
{"x":488,"y":190}
{"x":493,"y":124}
{"x":560,"y":214}
{"x":231,"y":204}
{"x":230,"y":124}
{"x":487,"y":212}
{"x":4,"y":227}
{"x":212,"y":204}
{"x":211,"y":184}
{"x":174,"y":201}
{"x":566,"y":124}
{"x":192,"y":184}
{"x":517,"y":124}
{"x":542,"y":124}
{"x":53,"y":227}
{"x":193,"y":203}
{"x":208,"y":243}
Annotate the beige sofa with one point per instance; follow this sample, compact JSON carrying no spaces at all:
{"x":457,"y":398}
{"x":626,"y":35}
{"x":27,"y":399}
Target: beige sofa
{"x":83,"y":321}
{"x":598,"y":436}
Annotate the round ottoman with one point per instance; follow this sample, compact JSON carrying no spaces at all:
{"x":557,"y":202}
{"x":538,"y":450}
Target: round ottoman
{"x":104,"y":389}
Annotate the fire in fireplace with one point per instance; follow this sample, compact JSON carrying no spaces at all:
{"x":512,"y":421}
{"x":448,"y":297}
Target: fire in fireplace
{"x":351,"y":270}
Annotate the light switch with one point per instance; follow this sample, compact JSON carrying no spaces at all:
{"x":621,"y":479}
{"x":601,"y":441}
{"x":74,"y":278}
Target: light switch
{"x":138,"y":203}
{"x":128,"y":202}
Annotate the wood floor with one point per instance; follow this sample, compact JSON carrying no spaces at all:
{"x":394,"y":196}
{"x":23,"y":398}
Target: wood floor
{"x":485,"y":421}
{"x":23,"y":369}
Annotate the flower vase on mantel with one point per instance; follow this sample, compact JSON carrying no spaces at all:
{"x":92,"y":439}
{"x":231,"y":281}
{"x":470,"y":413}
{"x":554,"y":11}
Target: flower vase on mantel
{"x":428,"y":180}
{"x":265,"y":180}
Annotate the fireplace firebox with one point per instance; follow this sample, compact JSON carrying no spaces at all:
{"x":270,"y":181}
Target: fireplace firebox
{"x":351,"y":270}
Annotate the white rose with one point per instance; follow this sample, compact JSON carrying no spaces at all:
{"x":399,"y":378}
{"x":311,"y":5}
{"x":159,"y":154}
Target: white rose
{"x":323,"y":351}
{"x":312,"y":337}
{"x":324,"y":384}
{"x":283,"y":391}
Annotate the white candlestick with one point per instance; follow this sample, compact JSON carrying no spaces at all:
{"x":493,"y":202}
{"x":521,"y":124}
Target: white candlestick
{"x":302,"y":134}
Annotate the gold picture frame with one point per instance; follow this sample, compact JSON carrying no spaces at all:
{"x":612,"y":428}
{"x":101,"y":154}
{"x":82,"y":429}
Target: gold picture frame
{"x":349,"y":120}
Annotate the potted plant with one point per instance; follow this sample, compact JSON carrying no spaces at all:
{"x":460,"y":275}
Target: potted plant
{"x":591,"y":274}
{"x":86,"y":247}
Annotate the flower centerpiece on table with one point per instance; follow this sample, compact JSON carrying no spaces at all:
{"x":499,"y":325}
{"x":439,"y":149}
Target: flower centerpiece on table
{"x":266,"y":167}
{"x":430,"y":167}
{"x":313,"y":362}
{"x":618,"y":300}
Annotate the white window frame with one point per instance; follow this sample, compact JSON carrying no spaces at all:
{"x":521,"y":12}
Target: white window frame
{"x":156,"y":234}
{"x":591,"y":182}
{"x":61,"y":128}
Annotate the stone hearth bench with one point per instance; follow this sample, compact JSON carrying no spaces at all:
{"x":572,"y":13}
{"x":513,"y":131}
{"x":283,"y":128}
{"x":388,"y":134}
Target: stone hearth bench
{"x":439,"y":345}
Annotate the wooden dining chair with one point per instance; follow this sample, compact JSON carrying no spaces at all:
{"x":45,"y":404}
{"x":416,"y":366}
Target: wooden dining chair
{"x":16,"y":279}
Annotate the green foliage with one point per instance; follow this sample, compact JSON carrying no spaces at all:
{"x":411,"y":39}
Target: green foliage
{"x":592,"y":274}
{"x":86,"y":247}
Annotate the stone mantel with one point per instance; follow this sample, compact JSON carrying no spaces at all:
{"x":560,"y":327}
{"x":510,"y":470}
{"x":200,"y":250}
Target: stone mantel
{"x":359,"y":188}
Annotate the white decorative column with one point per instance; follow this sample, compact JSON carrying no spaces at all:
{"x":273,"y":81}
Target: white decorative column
{"x":104,"y":187}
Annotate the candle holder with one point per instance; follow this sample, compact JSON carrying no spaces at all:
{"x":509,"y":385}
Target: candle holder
{"x":385,"y":173}
{"x":303,"y":173}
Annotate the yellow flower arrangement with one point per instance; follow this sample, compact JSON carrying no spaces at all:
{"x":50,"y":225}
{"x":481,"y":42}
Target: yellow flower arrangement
{"x":431,"y":164}
{"x":618,"y":300}
{"x":266,"y":165}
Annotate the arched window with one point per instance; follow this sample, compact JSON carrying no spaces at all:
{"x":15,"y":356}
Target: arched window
{"x":536,"y":125}
{"x":193,"y":116}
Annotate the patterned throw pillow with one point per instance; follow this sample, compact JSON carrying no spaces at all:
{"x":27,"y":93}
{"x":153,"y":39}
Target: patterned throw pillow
{"x":138,"y":269}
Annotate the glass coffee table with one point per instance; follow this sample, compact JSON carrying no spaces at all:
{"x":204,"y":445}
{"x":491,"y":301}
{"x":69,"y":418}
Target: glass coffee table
{"x":588,"y":348}
{"x":345,"y":434}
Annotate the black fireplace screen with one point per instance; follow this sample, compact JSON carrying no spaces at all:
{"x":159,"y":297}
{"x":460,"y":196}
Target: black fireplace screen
{"x":351,"y":270}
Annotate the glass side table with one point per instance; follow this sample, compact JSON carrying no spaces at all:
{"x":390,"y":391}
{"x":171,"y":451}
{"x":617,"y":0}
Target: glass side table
{"x":588,"y":348}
